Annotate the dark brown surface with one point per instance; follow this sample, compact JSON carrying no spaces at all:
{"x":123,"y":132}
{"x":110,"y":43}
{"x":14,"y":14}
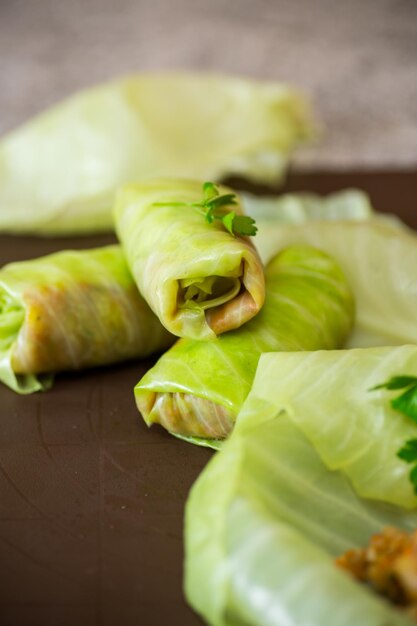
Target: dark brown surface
{"x":91,"y":501}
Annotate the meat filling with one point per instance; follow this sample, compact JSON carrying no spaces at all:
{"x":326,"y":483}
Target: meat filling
{"x":388,"y":565}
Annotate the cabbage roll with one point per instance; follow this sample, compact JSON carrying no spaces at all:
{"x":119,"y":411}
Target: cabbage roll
{"x":197,"y":388}
{"x":264,"y":523}
{"x":59,"y":171}
{"x":198,"y":278}
{"x":71,"y":310}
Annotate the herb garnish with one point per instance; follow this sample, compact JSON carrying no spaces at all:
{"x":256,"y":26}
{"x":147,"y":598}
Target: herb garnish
{"x":408,"y":453}
{"x":212,"y":206}
{"x":405,"y":403}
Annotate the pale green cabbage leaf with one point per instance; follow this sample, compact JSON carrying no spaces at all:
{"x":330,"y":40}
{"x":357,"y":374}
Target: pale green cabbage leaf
{"x":355,"y":430}
{"x":264,"y":522}
{"x":59,"y":171}
{"x":70,"y":310}
{"x":301,"y":207}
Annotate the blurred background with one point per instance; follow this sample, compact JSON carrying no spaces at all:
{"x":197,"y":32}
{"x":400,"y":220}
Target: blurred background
{"x":356,"y":59}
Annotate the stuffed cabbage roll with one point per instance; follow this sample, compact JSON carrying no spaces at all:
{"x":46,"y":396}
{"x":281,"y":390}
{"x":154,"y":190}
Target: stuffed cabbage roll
{"x":59,"y":172}
{"x":197,"y":388}
{"x":264,"y":523}
{"x":198,"y":278}
{"x":71,"y":310}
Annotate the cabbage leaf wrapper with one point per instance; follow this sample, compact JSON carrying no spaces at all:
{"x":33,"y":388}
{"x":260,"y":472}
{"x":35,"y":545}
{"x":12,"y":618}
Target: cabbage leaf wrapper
{"x":198,"y":278}
{"x":379,"y":260}
{"x":327,"y":394}
{"x":197,"y":388}
{"x":59,"y":171}
{"x":298,"y":208}
{"x":71,"y":310}
{"x":264,"y":523}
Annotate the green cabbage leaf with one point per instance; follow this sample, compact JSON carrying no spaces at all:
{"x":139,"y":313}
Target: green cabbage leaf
{"x":301,"y":207}
{"x":59,"y":171}
{"x":264,"y":523}
{"x":327,"y":394}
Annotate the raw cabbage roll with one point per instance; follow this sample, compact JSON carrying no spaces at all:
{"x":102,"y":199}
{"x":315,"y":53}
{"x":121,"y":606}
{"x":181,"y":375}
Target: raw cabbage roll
{"x":327,"y":394}
{"x":71,"y":310}
{"x":59,"y":171}
{"x":198,"y":278}
{"x":380,"y":263}
{"x":197,"y":388}
{"x":264,"y":523}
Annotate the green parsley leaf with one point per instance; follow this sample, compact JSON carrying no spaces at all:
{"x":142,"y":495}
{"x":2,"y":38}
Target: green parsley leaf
{"x":413,"y":478}
{"x":406,"y":403}
{"x":228,"y":221}
{"x":210,"y":190}
{"x":224,"y":200}
{"x":213,"y":207}
{"x":239,"y":224}
{"x":210,"y":216}
{"x":397,"y":382}
{"x":408,"y":452}
{"x":244,"y":225}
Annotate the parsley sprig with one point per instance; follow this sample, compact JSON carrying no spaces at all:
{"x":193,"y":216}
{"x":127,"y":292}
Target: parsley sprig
{"x":408,"y":453}
{"x":405,"y":403}
{"x":213,"y":206}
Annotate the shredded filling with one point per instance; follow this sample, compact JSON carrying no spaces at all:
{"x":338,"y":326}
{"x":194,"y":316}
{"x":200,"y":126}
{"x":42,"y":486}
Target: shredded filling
{"x":185,"y":414}
{"x":389,"y":566}
{"x":207,"y":292}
